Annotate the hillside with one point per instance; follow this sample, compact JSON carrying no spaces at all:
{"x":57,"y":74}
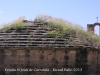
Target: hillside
{"x":46,"y":32}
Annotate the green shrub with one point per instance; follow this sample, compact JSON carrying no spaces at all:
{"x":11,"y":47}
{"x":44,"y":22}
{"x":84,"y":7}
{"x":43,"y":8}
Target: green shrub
{"x":16,"y":24}
{"x":61,"y":28}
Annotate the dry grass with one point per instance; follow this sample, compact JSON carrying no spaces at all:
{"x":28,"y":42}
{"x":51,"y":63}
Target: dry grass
{"x":62,"y":28}
{"x":16,"y":24}
{"x":59,"y":28}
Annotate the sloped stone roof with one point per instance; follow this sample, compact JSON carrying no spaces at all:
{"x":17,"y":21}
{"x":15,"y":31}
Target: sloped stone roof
{"x":34,"y":34}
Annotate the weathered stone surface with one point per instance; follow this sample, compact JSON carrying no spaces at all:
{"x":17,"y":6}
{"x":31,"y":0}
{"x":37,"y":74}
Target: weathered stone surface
{"x":87,"y":60}
{"x":90,"y":27}
{"x":30,"y":49}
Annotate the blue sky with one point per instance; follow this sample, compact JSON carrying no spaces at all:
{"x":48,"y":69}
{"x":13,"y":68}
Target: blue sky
{"x":81,"y":12}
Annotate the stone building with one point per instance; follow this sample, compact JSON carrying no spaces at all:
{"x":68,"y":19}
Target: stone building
{"x":90,"y":27}
{"x":29,"y":50}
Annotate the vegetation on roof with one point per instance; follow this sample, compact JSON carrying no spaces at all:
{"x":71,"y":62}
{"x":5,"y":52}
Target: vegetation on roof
{"x":16,"y":24}
{"x":59,"y":28}
{"x":62,"y":28}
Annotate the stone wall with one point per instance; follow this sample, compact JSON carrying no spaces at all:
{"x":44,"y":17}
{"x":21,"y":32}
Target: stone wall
{"x":87,"y":61}
{"x":90,"y":27}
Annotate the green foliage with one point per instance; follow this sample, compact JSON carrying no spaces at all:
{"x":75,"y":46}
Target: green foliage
{"x":54,"y":33}
{"x":6,"y":28}
{"x":29,"y":36}
{"x":17,"y":24}
{"x":58,"y":28}
{"x":61,"y":28}
{"x":29,"y":39}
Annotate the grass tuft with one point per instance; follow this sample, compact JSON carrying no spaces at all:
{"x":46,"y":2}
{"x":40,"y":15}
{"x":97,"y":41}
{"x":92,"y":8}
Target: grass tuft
{"x":16,"y":24}
{"x":62,"y":28}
